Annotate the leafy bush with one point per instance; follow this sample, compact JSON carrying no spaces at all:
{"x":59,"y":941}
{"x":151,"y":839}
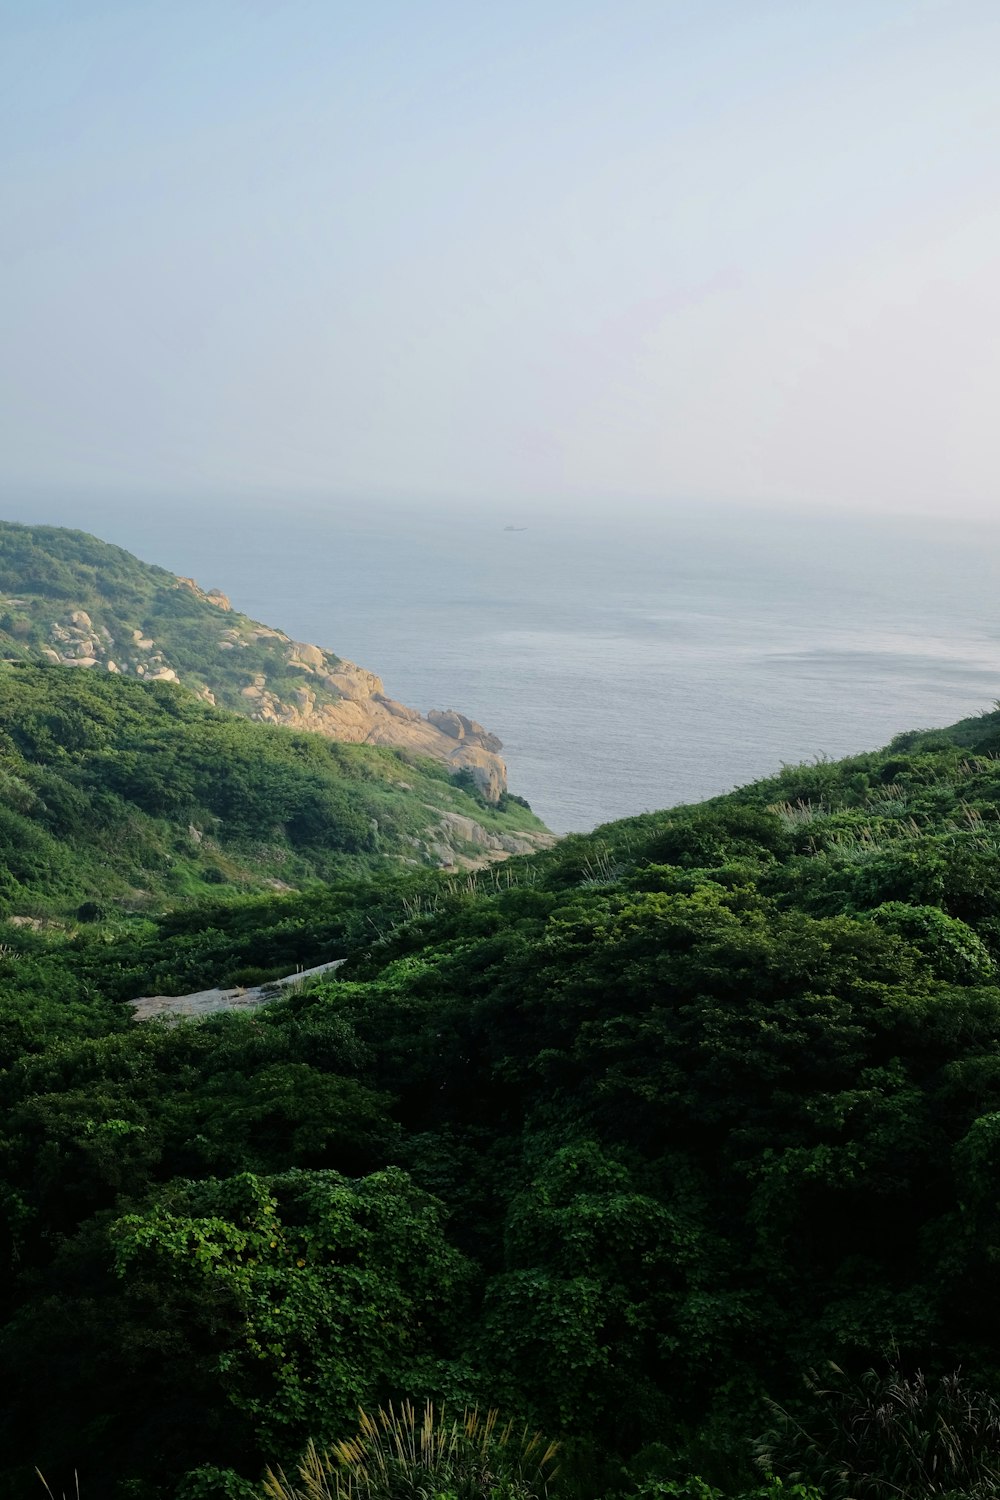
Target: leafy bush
{"x":693,"y":1487}
{"x":951,"y":947}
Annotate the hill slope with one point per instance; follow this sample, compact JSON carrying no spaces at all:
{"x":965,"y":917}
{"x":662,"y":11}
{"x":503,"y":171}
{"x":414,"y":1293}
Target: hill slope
{"x":627,"y":1137}
{"x":71,"y":599}
{"x":134,"y":793}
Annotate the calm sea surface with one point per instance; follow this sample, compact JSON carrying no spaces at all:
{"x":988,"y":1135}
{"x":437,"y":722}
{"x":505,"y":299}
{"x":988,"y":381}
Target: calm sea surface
{"x":626,"y":664}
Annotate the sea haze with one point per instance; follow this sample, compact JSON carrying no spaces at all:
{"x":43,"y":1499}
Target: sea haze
{"x":628,"y":663}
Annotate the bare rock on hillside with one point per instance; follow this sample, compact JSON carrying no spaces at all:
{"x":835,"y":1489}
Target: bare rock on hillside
{"x":347,"y":702}
{"x":332,"y":696}
{"x":201,"y":1003}
{"x":211,"y":596}
{"x":458,"y":842}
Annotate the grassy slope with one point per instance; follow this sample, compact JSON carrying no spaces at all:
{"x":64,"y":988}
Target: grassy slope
{"x":115,"y":791}
{"x":47,"y":572}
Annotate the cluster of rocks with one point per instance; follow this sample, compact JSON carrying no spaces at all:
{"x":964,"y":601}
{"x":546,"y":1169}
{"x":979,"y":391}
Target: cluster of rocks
{"x":351,"y":704}
{"x":460,"y":843}
{"x":335,"y":697}
{"x":210,"y":596}
{"x":346,"y":702}
{"x":78,"y":642}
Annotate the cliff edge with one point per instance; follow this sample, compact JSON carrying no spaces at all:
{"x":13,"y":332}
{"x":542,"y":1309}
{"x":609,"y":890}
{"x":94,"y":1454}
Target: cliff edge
{"x":69,"y":598}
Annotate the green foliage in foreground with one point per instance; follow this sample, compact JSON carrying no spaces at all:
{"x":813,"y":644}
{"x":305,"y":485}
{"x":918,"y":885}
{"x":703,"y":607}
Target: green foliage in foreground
{"x":406,"y":1455}
{"x":624,"y":1139}
{"x":884,"y":1435}
{"x":120,"y":795}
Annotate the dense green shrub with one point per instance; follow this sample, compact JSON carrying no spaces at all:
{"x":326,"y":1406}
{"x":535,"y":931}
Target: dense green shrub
{"x":622,"y":1138}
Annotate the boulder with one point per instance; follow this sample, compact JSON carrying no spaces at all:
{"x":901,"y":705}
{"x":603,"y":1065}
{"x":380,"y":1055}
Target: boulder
{"x":310,"y":657}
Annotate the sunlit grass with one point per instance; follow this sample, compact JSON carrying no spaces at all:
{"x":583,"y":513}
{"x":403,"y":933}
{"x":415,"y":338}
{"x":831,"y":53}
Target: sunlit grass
{"x":409,"y":1455}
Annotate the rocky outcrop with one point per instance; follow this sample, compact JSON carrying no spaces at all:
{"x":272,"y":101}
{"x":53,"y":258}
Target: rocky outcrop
{"x":301,"y":686}
{"x":457,"y":842}
{"x":211,"y":596}
{"x":210,"y":1002}
{"x":350,"y":704}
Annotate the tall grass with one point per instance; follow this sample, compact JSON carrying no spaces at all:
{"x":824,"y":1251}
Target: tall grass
{"x":64,"y":1496}
{"x":409,"y":1455}
{"x":890,"y":1437}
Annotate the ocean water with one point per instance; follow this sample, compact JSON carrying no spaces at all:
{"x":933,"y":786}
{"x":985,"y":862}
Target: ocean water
{"x":626,"y":662}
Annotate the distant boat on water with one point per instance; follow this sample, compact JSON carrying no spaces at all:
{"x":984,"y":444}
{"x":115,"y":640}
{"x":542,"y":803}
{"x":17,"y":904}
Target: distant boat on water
{"x":515,"y":528}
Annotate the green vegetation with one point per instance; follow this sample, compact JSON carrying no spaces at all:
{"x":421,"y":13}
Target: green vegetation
{"x":896,"y":1435}
{"x":70,"y":600}
{"x":627,"y":1139}
{"x":137,"y":615}
{"x":400,"y":1455}
{"x":124,"y":796}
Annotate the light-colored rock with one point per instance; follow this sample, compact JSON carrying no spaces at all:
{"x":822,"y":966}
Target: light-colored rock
{"x":398,"y":710}
{"x":458,"y":842}
{"x":334,"y":697}
{"x":213,"y":596}
{"x":488,"y":771}
{"x":209,"y":1002}
{"x":449,"y":723}
{"x":310,"y":657}
{"x":354,"y":682}
{"x":457,"y":827}
{"x":458,"y":727}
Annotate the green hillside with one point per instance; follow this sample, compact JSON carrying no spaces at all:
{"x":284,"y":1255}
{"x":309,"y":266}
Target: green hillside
{"x":70,"y":600}
{"x":127,"y":796}
{"x":140,"y":618}
{"x":625,"y":1138}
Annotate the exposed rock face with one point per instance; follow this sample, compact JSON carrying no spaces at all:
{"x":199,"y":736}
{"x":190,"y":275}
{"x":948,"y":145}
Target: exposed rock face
{"x":302,"y":686}
{"x":460,"y":843}
{"x":354,"y":707}
{"x":213,"y":596}
{"x":210,"y":1002}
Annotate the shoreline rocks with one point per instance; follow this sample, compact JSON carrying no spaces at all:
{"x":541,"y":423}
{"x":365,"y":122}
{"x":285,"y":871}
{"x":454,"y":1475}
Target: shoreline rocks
{"x":329,"y":695}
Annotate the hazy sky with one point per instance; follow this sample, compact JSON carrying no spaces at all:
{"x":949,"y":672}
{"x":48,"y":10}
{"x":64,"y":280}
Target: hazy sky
{"x":503,"y":251}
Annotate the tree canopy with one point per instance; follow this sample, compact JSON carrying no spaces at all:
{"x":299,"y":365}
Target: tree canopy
{"x":631,"y":1138}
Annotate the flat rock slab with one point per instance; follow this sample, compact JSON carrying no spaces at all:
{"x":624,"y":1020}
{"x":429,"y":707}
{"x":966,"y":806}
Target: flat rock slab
{"x":211,"y":1002}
